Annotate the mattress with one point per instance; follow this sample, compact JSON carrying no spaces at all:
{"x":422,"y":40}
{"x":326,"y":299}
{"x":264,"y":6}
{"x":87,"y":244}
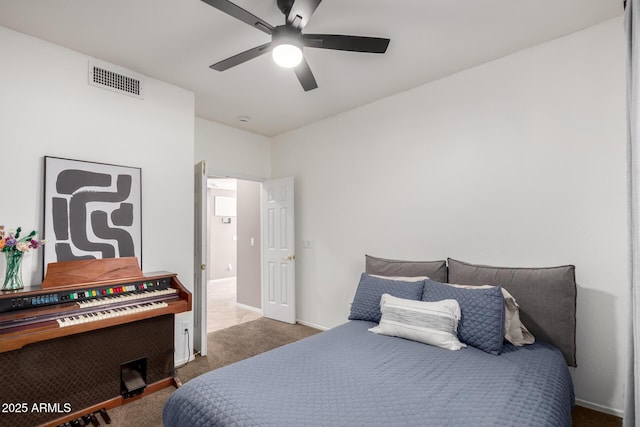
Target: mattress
{"x":348,"y":376}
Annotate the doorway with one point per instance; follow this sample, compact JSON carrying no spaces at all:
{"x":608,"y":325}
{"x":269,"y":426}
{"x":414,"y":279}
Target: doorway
{"x":272,"y":244}
{"x":233,"y":247}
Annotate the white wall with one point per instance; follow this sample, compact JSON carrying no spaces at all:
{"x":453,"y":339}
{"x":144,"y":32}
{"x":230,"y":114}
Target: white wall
{"x":237,"y":152}
{"x":518,"y":162}
{"x":47,"y":108}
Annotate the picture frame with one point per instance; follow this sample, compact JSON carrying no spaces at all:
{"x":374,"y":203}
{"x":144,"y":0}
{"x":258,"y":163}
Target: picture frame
{"x":91,"y":210}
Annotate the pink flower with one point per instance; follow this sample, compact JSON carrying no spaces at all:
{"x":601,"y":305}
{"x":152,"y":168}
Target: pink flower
{"x":34,"y":244}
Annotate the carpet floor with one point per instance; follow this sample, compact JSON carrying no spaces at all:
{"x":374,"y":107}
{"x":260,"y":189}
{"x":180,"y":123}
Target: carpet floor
{"x":224,"y":347}
{"x":249,"y":339}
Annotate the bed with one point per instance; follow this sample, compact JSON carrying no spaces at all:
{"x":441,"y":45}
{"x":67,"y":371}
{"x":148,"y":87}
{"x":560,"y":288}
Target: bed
{"x":350,"y":376}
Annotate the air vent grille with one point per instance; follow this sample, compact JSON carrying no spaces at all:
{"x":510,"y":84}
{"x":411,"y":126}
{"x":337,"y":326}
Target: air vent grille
{"x":101,"y":76}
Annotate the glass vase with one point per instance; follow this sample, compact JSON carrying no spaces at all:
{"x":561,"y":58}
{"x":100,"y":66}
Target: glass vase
{"x":13,"y":273}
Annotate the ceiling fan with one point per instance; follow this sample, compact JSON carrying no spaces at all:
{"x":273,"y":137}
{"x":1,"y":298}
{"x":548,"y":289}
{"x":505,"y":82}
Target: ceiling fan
{"x":288,"y":40}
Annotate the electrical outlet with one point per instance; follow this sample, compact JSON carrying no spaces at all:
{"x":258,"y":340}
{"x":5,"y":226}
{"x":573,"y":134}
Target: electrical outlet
{"x":185,"y":327}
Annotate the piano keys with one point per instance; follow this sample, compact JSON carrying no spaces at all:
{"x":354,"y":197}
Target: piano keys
{"x":136,"y":295}
{"x":96,"y":316}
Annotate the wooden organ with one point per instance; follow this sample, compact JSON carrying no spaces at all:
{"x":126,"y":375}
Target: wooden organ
{"x":65,"y":347}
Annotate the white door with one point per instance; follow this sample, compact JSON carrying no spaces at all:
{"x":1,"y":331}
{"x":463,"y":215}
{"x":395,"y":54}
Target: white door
{"x":200,"y":256}
{"x":278,"y":250}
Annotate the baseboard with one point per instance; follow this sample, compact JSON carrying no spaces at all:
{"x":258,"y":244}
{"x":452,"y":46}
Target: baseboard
{"x":249,"y":307}
{"x":600,"y":408}
{"x":311,"y":325}
{"x":182,"y":361}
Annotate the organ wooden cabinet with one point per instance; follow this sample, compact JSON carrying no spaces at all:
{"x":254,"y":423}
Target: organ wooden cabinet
{"x":96,"y":334}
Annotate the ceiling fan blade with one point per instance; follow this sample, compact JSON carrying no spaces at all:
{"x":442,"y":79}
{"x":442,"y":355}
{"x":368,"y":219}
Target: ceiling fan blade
{"x":350,"y":43}
{"x":305,"y":76}
{"x":242,"y":57}
{"x":239,"y":13}
{"x":301,"y":12}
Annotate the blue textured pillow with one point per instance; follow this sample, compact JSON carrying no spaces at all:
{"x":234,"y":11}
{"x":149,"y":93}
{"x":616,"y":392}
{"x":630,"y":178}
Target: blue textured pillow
{"x":366,"y":302}
{"x":482,"y":313}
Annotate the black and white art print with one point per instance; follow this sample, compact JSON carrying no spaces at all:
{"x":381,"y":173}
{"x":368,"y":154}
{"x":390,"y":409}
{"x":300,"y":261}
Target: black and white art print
{"x":91,"y":210}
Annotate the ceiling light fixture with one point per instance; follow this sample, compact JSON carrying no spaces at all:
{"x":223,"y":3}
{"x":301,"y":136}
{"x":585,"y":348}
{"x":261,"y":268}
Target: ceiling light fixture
{"x":287,"y":55}
{"x":287,"y":50}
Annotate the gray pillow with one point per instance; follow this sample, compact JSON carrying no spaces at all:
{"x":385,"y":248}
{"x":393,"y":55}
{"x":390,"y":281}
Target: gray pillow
{"x":366,"y":302}
{"x":435,"y":270}
{"x":547,"y":298}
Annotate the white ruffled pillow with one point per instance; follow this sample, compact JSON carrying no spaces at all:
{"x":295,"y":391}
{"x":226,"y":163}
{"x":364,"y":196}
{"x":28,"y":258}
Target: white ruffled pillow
{"x":434,"y":323}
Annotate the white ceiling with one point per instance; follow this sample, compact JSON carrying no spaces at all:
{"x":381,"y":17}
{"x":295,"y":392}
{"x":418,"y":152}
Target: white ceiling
{"x":176,"y":41}
{"x":223,"y":183}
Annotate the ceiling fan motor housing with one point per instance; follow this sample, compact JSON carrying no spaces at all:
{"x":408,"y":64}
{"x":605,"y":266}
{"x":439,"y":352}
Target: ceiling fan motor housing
{"x":284,"y":34}
{"x":285,"y":6}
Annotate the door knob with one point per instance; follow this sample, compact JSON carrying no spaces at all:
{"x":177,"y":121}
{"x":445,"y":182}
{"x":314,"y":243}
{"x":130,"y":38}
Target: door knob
{"x":289,"y":258}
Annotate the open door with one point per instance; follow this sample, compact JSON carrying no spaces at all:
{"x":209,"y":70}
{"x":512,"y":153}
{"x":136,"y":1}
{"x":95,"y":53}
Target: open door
{"x":200,"y":256}
{"x":278,"y":250}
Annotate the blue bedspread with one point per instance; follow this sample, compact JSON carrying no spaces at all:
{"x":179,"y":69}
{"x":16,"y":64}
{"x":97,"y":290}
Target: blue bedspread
{"x":348,"y":376}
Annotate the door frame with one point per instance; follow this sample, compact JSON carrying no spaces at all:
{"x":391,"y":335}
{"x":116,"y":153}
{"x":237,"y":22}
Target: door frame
{"x":199,"y":260}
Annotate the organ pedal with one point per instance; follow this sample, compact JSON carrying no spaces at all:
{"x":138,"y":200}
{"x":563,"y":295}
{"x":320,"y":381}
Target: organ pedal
{"x":105,"y":416}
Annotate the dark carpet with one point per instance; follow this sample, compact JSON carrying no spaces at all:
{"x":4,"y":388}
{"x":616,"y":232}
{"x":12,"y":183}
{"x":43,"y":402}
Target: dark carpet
{"x":246,"y":340}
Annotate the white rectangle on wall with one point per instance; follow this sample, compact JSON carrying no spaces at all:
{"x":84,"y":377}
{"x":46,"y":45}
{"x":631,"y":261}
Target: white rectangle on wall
{"x":225,"y":206}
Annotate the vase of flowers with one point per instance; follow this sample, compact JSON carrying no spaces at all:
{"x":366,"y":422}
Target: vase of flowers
{"x":14,"y":248}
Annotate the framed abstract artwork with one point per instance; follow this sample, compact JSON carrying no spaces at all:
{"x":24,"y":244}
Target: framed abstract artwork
{"x":91,"y":210}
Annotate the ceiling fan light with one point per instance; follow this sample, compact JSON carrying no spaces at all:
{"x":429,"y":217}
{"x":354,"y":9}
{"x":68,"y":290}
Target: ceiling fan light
{"x":287,"y":55}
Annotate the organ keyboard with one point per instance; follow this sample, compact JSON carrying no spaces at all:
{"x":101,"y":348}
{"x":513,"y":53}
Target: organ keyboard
{"x":89,"y":320}
{"x":95,"y":316}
